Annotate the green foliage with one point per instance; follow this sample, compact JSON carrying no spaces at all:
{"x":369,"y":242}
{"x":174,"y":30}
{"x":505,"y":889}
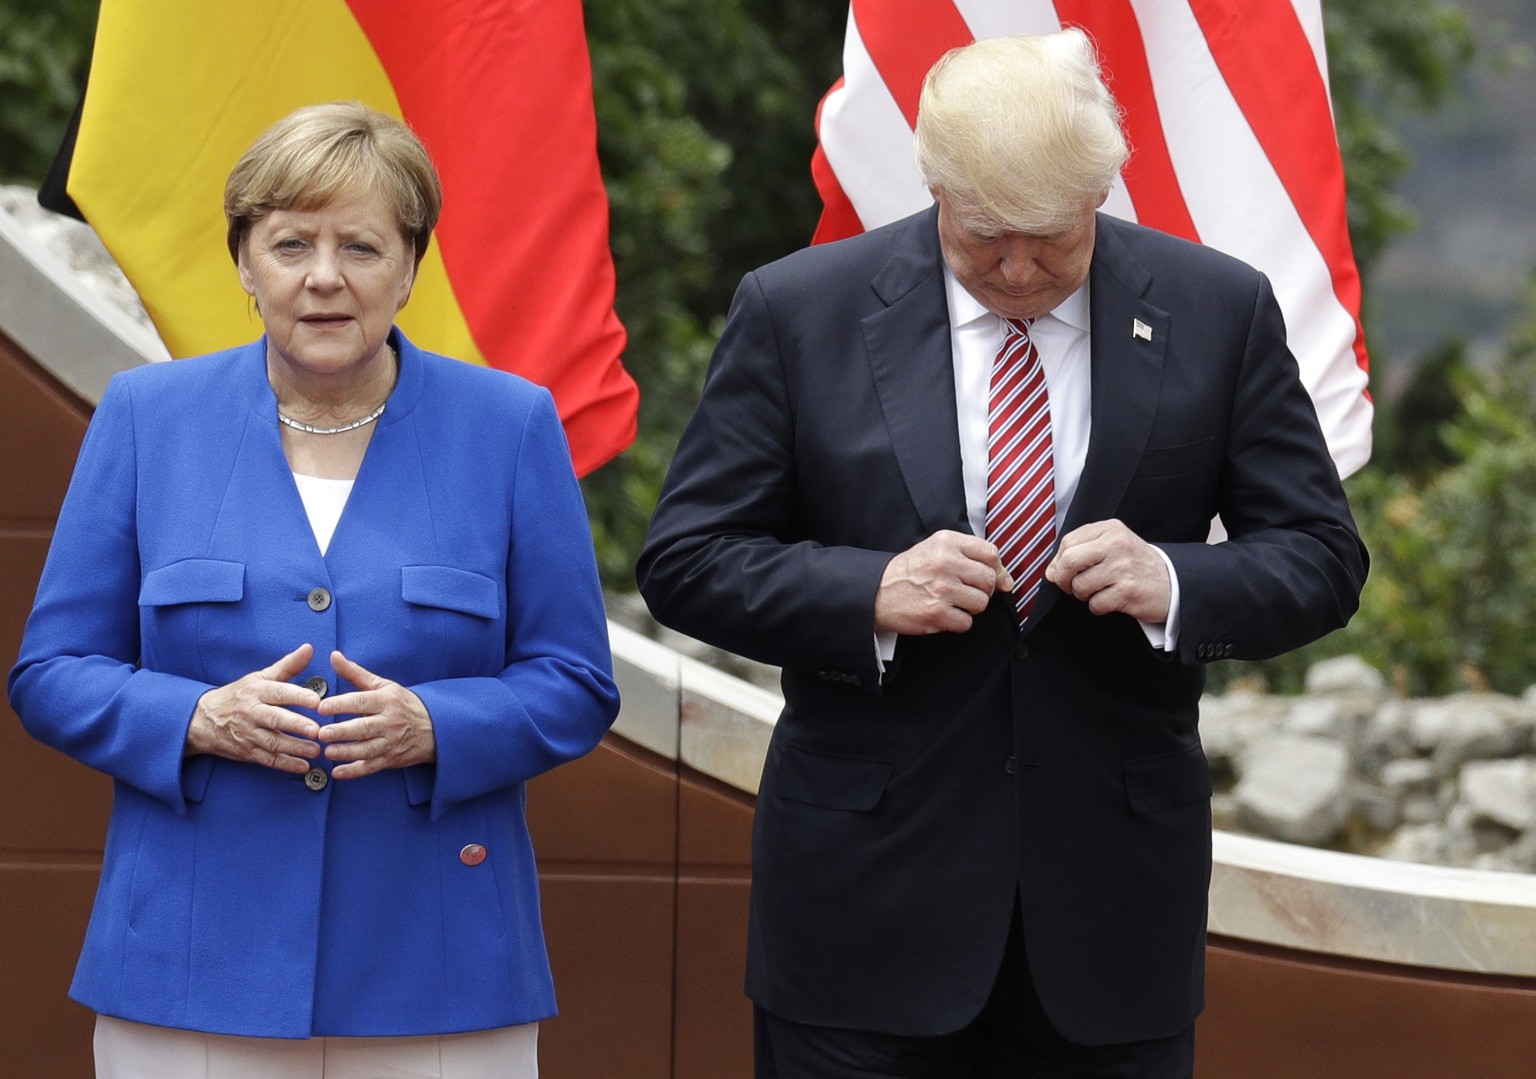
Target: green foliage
{"x":705,"y":136}
{"x":45,"y":48}
{"x":1450,"y":603}
{"x":1385,"y":61}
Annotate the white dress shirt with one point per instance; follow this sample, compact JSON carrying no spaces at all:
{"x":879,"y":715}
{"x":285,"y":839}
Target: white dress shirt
{"x":324,"y":500}
{"x":1062,"y":340}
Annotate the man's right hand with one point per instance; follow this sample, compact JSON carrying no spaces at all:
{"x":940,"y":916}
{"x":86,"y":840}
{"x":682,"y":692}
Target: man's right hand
{"x":939,"y":585}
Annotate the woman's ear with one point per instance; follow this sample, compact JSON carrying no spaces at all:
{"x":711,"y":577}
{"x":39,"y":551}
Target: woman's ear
{"x":247,"y":280}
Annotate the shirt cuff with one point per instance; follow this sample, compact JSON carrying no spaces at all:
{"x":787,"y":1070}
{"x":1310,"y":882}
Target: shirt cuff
{"x":1164,"y":636}
{"x":885,"y":650}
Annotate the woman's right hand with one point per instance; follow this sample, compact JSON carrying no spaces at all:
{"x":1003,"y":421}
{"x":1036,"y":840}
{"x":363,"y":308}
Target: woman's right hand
{"x":249,"y":719}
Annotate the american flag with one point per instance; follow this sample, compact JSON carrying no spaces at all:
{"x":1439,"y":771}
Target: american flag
{"x":1233,"y":145}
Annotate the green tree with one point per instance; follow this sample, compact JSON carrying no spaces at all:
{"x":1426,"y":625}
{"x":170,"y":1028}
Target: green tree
{"x":704,"y":131}
{"x":45,"y":49}
{"x":1450,"y":601}
{"x":1385,"y":62}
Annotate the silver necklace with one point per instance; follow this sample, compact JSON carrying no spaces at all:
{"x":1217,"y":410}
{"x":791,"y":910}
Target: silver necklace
{"x":289,"y":421}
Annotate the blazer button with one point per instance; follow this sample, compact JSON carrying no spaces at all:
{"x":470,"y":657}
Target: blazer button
{"x":317,"y":685}
{"x":317,"y":778}
{"x":1021,"y":649}
{"x":319,"y":599}
{"x":1011,"y":765}
{"x":472,"y":854}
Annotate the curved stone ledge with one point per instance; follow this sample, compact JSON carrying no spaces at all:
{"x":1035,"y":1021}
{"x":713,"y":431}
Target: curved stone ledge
{"x":1473,"y":920}
{"x":61,"y":322}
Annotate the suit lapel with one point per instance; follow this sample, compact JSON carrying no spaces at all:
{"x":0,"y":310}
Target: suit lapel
{"x":1129,"y":338}
{"x":908,"y":346}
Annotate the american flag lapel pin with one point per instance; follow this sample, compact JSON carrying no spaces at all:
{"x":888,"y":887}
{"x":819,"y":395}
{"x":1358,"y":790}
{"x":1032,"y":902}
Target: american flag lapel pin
{"x":1140,"y":330}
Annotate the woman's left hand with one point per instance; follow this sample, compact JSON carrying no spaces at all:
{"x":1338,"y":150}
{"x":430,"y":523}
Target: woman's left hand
{"x":391,"y":728}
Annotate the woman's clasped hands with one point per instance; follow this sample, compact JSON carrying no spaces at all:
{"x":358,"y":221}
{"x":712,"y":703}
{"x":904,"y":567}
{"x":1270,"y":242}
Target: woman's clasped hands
{"x":253,"y":719}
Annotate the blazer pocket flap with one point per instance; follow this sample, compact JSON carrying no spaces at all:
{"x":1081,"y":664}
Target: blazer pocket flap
{"x":452,"y":589}
{"x":1174,"y":460}
{"x":193,"y":580}
{"x":817,"y":779}
{"x":1168,"y":780}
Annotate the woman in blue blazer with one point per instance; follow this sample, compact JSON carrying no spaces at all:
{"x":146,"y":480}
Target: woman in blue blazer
{"x":320,"y":606}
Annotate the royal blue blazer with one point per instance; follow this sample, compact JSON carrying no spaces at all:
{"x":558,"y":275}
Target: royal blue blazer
{"x":237,"y":899}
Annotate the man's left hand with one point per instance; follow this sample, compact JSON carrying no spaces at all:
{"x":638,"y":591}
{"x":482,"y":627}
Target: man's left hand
{"x":1111,"y":568}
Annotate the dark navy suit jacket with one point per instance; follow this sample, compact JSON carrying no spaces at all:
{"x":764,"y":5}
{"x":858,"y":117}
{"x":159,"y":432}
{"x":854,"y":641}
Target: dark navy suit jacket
{"x":235,"y":898}
{"x":898,"y":819}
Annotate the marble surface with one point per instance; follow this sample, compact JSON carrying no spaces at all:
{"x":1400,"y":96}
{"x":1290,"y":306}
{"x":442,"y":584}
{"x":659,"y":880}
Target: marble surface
{"x":78,"y":330}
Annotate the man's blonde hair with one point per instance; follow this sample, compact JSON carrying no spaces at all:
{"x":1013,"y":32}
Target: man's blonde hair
{"x":320,"y":153}
{"x":1020,"y":131}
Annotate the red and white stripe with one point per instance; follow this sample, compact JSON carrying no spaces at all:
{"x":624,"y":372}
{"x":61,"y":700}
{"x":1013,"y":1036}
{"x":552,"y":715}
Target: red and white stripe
{"x":1021,"y":474}
{"x":1227,"y":109}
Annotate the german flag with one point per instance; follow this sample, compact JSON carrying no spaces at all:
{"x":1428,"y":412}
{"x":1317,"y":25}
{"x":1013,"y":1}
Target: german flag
{"x":500,"y":91}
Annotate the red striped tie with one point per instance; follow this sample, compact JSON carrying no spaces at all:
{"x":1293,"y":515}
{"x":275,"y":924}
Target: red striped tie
{"x":1021,"y":490}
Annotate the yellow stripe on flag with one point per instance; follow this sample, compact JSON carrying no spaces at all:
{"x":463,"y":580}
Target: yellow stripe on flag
{"x":178,"y":90}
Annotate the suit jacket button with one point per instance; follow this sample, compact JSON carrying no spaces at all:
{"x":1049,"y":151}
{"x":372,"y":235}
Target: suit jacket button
{"x":472,"y":854}
{"x":1011,"y":765}
{"x":319,"y":599}
{"x":317,"y":778}
{"x":317,"y":685}
{"x":1021,"y":649}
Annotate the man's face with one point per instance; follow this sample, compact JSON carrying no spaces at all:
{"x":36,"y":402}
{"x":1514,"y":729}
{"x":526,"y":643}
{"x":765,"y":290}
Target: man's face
{"x":1014,"y":274}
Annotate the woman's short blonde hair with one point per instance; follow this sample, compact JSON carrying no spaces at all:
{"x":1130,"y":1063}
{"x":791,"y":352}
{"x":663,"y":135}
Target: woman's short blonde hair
{"x":320,"y":153}
{"x":1021,"y":130}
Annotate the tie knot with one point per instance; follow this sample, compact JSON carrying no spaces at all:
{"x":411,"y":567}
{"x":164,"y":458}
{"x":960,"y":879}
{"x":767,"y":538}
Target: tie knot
{"x":1017,"y":327}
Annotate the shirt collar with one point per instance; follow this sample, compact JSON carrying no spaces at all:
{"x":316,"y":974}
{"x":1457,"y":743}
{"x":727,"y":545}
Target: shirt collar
{"x":965,"y":309}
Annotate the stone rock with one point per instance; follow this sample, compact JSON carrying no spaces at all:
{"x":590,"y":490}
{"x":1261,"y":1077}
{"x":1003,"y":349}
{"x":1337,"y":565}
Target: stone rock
{"x":1431,"y":844}
{"x":1294,"y":788}
{"x":1379,"y":808}
{"x":1501,"y":792}
{"x":1230,"y":723}
{"x":1345,"y":675}
{"x":1470,"y":726}
{"x":1320,"y":716}
{"x":1384,"y":736}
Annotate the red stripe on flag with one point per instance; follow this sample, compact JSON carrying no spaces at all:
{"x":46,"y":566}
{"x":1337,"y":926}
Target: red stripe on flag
{"x":1267,"y":61}
{"x":501,"y":93}
{"x":839,"y":219}
{"x":1149,"y":176}
{"x":905,"y":38}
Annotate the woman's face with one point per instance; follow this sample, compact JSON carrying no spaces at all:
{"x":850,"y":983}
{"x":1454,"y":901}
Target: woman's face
{"x":328,"y":282}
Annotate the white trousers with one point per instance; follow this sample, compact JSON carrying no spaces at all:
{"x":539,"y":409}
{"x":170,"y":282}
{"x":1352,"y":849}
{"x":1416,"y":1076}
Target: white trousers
{"x":127,"y":1050}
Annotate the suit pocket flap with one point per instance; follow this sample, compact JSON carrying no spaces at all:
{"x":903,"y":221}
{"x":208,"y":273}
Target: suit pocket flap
{"x":1168,"y":780}
{"x":452,"y":589}
{"x":1159,"y":461}
{"x":193,"y":580}
{"x":832,"y":782}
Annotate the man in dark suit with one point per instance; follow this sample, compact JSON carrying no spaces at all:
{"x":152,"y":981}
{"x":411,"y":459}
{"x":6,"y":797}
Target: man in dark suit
{"x":982,"y":841}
